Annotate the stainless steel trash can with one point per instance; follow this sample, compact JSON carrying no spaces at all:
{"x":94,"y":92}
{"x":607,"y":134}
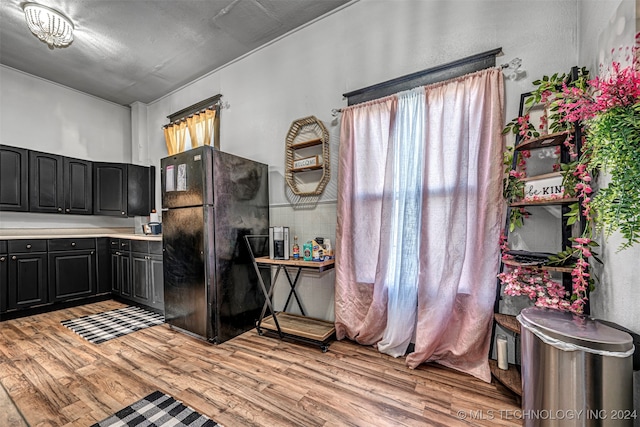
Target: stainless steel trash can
{"x":575,"y":371}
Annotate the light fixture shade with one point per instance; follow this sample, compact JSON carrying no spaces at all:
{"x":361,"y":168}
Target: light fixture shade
{"x":48,"y":25}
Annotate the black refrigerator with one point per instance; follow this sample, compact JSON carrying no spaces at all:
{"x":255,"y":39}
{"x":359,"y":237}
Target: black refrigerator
{"x":210,"y":200}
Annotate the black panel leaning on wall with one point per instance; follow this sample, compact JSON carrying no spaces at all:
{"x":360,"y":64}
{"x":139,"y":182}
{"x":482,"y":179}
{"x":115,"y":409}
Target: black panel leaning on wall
{"x":22,"y":176}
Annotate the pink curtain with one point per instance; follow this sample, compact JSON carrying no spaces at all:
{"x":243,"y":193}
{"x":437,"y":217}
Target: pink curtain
{"x":459,"y":227}
{"x":364,"y":139}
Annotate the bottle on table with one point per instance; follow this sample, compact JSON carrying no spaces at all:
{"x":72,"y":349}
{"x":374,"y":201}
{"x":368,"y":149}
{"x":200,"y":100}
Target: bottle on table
{"x":296,"y":248}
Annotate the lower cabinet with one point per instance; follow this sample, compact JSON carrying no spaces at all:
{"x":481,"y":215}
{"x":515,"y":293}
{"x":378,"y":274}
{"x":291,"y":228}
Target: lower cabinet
{"x":156,"y":276}
{"x":72,"y":268}
{"x":103,"y":265}
{"x":27,"y":285}
{"x":147,"y":280}
{"x":36,"y":272}
{"x":140,"y":278}
{"x":121,"y":267}
{"x":4,"y":275}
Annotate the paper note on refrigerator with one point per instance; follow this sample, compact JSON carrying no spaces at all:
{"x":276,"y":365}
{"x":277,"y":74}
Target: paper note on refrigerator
{"x":169,"y":179}
{"x":181,"y":182}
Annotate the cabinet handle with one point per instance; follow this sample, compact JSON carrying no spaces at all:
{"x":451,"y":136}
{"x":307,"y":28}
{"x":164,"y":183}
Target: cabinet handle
{"x":73,"y":243}
{"x":122,"y":244}
{"x":28,"y":246}
{"x":14,"y":257}
{"x":123,"y":213}
{"x":118,"y":253}
{"x":68,"y":210}
{"x":59,"y":209}
{"x":93,"y":252}
{"x":2,"y":259}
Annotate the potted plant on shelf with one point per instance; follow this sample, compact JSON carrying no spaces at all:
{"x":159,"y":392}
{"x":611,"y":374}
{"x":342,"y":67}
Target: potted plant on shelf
{"x":608,"y":109}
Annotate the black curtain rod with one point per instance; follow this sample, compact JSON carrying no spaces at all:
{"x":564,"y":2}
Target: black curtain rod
{"x":202,"y":105}
{"x":431,"y":75}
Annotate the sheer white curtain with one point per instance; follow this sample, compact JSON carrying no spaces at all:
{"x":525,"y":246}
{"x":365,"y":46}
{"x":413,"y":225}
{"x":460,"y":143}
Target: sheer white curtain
{"x":436,"y":232}
{"x":402,"y":211}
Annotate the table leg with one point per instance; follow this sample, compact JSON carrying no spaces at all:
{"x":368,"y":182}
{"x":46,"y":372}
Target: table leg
{"x":292,"y":291}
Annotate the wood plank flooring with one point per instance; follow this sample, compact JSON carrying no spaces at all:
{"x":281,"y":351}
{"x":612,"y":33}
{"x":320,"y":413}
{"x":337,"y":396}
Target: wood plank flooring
{"x":56,"y":378}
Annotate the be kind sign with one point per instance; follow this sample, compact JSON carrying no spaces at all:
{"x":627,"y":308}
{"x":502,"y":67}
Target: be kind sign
{"x":548,"y":188}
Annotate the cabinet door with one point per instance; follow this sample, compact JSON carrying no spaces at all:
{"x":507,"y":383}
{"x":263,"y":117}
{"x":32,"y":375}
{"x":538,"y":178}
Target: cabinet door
{"x":140,"y":278}
{"x":140,"y":190}
{"x":72,"y":274}
{"x":125,"y":275}
{"x":116,"y":274}
{"x":103,"y":265}
{"x":157,"y":282}
{"x":14,"y":179}
{"x":4,"y":262}
{"x":110,"y":189}
{"x":78,"y":185}
{"x":46,"y":192}
{"x":27,"y":285}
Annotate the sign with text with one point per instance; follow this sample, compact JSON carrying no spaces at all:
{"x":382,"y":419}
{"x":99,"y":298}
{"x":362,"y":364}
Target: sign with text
{"x":548,"y":188}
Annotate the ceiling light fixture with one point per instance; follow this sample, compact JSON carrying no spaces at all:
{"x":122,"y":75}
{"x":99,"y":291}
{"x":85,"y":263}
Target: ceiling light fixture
{"x":48,"y":25}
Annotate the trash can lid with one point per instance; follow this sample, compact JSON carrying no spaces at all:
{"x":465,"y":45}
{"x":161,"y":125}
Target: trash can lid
{"x":576,"y":329}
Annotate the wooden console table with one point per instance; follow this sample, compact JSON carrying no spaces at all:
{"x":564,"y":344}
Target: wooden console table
{"x":288,"y":325}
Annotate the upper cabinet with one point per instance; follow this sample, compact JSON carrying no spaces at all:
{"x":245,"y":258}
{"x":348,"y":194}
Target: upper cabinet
{"x":14,"y":179}
{"x":140,"y":190}
{"x":59,"y":184}
{"x":123,"y":190}
{"x":110,"y":189}
{"x":78,"y":186}
{"x":46,"y":193}
{"x":34,"y":181}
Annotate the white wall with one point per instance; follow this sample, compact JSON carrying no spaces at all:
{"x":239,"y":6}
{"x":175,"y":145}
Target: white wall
{"x":370,"y":41}
{"x":616,"y":298}
{"x":41,"y":115}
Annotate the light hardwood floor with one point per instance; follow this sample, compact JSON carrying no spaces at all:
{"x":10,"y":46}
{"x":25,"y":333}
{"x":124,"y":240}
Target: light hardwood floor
{"x":56,"y":378}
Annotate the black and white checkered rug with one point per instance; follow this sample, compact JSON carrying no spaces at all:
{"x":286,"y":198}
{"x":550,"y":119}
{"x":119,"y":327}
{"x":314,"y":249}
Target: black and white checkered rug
{"x":98,"y":328}
{"x":157,"y":410}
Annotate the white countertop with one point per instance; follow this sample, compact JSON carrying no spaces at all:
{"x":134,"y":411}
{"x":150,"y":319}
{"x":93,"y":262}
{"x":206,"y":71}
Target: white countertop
{"x":63,"y":233}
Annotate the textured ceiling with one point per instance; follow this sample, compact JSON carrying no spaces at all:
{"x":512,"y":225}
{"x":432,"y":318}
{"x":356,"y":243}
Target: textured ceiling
{"x":139,"y":50}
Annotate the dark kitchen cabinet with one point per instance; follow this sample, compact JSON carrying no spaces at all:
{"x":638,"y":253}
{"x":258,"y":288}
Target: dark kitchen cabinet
{"x":140,"y":278}
{"x":27,"y":285}
{"x":4,"y":262}
{"x":121,"y":267}
{"x":60,"y":184}
{"x":78,"y":186}
{"x":146,"y":273}
{"x":140,"y":190}
{"x":103,"y":265}
{"x":156,"y":276}
{"x":14,"y":179}
{"x":46,"y":188}
{"x":123,"y":189}
{"x":72,"y":268}
{"x":110,"y":189}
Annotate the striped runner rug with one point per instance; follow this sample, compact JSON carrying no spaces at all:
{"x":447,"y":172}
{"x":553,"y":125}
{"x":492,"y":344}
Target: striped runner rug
{"x":101,"y":327}
{"x":157,"y":410}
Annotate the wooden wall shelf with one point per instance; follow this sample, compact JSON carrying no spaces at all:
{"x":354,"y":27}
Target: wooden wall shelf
{"x":308,"y":134}
{"x":508,"y":322}
{"x":565,"y":201}
{"x":543,"y":141}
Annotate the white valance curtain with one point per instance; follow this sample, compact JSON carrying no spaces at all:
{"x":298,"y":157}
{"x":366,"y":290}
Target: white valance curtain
{"x":419,"y":218}
{"x":200,"y":128}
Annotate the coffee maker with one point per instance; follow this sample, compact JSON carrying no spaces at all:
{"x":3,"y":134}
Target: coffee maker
{"x":279,"y":242}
